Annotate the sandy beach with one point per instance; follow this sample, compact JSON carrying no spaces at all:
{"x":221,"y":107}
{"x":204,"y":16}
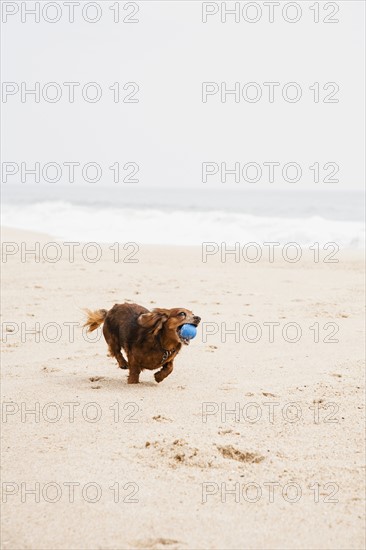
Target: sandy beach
{"x":254,"y":441}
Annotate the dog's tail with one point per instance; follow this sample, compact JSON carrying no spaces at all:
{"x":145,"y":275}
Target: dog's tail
{"x":94,"y":318}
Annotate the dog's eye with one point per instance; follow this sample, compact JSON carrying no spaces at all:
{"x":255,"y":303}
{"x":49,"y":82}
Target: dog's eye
{"x":182,"y":314}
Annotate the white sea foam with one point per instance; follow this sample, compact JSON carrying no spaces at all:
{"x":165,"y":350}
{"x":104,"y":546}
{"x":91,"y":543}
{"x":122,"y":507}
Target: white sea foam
{"x":66,"y":221}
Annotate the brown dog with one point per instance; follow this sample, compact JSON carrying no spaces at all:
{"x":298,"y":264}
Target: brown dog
{"x":150,"y":339}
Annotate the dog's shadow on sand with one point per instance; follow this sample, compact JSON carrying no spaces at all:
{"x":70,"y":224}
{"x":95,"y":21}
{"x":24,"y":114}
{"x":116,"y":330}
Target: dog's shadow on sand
{"x":104,"y":384}
{"x":107,"y":383}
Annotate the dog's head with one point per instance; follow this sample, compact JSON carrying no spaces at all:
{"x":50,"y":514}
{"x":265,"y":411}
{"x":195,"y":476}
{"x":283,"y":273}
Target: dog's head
{"x":168,"y":322}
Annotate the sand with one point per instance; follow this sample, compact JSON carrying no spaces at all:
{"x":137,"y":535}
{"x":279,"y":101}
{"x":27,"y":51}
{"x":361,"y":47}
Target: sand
{"x":117,"y":466}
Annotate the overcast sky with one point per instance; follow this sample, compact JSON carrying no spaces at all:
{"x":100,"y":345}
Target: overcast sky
{"x":169,"y":53}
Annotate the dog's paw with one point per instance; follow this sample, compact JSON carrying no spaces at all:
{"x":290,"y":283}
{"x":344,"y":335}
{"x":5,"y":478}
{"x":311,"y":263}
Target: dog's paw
{"x":158,"y":377}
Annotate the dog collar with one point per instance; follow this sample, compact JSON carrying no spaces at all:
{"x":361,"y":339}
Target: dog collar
{"x":167,"y":353}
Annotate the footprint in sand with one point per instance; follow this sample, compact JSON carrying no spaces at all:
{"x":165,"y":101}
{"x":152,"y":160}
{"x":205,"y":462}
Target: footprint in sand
{"x":228,"y":431}
{"x":160,"y":418}
{"x":156,"y":544}
{"x":50,"y":369}
{"x":235,"y":454}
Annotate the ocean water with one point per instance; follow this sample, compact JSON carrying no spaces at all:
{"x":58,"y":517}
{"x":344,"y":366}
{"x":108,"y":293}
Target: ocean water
{"x":186,"y":216}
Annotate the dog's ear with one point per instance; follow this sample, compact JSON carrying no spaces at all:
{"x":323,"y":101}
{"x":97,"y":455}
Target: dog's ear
{"x":154,"y":320}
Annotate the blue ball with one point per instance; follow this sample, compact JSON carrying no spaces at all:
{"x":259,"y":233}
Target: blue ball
{"x":188,"y":331}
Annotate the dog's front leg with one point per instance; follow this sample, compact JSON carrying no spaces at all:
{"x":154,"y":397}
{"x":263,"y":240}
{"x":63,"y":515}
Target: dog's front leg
{"x":134,"y":374}
{"x":164,"y":372}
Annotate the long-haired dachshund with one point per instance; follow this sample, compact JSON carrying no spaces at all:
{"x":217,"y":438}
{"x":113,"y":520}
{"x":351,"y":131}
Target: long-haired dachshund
{"x":150,"y":339}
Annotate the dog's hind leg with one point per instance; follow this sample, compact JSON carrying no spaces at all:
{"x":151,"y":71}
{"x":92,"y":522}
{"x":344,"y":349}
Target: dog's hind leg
{"x":122,"y":363}
{"x":115,"y":349}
